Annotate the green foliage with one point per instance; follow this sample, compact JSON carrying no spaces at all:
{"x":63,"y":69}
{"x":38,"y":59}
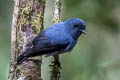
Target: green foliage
{"x":101,"y":12}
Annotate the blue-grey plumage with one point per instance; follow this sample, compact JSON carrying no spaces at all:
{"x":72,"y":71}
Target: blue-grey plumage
{"x":56,"y":39}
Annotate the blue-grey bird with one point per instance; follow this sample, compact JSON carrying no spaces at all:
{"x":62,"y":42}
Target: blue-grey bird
{"x":56,"y":39}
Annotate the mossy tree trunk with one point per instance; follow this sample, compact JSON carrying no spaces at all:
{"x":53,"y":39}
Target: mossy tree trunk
{"x":28,"y":19}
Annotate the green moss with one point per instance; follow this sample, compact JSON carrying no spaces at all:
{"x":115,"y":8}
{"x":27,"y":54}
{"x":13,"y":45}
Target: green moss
{"x":28,"y":16}
{"x":36,"y":23}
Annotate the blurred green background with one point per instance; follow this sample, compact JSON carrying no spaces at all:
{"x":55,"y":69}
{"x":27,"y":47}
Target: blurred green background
{"x":96,"y":55}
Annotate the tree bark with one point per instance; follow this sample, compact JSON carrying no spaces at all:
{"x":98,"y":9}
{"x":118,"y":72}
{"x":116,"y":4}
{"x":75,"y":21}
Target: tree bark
{"x":55,"y":65}
{"x":27,"y":21}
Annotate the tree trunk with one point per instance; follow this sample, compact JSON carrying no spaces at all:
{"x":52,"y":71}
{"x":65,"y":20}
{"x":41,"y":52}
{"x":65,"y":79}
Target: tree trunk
{"x":27,"y":21}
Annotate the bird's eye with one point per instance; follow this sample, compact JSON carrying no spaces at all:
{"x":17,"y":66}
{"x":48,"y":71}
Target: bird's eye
{"x":75,"y":25}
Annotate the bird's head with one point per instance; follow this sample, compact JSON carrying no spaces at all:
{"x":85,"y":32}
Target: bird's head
{"x":75,"y":26}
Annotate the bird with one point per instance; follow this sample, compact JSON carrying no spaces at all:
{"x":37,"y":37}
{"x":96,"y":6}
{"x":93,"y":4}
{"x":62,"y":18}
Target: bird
{"x":54,"y":40}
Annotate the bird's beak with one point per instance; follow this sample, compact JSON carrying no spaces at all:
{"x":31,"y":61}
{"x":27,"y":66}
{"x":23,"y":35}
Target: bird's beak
{"x":83,"y":31}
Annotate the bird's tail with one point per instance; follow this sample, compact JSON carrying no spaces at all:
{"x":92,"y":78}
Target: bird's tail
{"x":24,"y":56}
{"x":21,"y":58}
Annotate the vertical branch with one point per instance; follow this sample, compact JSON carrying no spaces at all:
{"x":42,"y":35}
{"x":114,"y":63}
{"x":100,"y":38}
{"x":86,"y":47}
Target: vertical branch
{"x":55,"y":65}
{"x":57,"y":12}
{"x":27,"y":22}
{"x":13,"y":42}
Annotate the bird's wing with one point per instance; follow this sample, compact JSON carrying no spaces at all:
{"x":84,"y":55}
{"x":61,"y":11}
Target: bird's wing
{"x":34,"y":40}
{"x":42,"y":45}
